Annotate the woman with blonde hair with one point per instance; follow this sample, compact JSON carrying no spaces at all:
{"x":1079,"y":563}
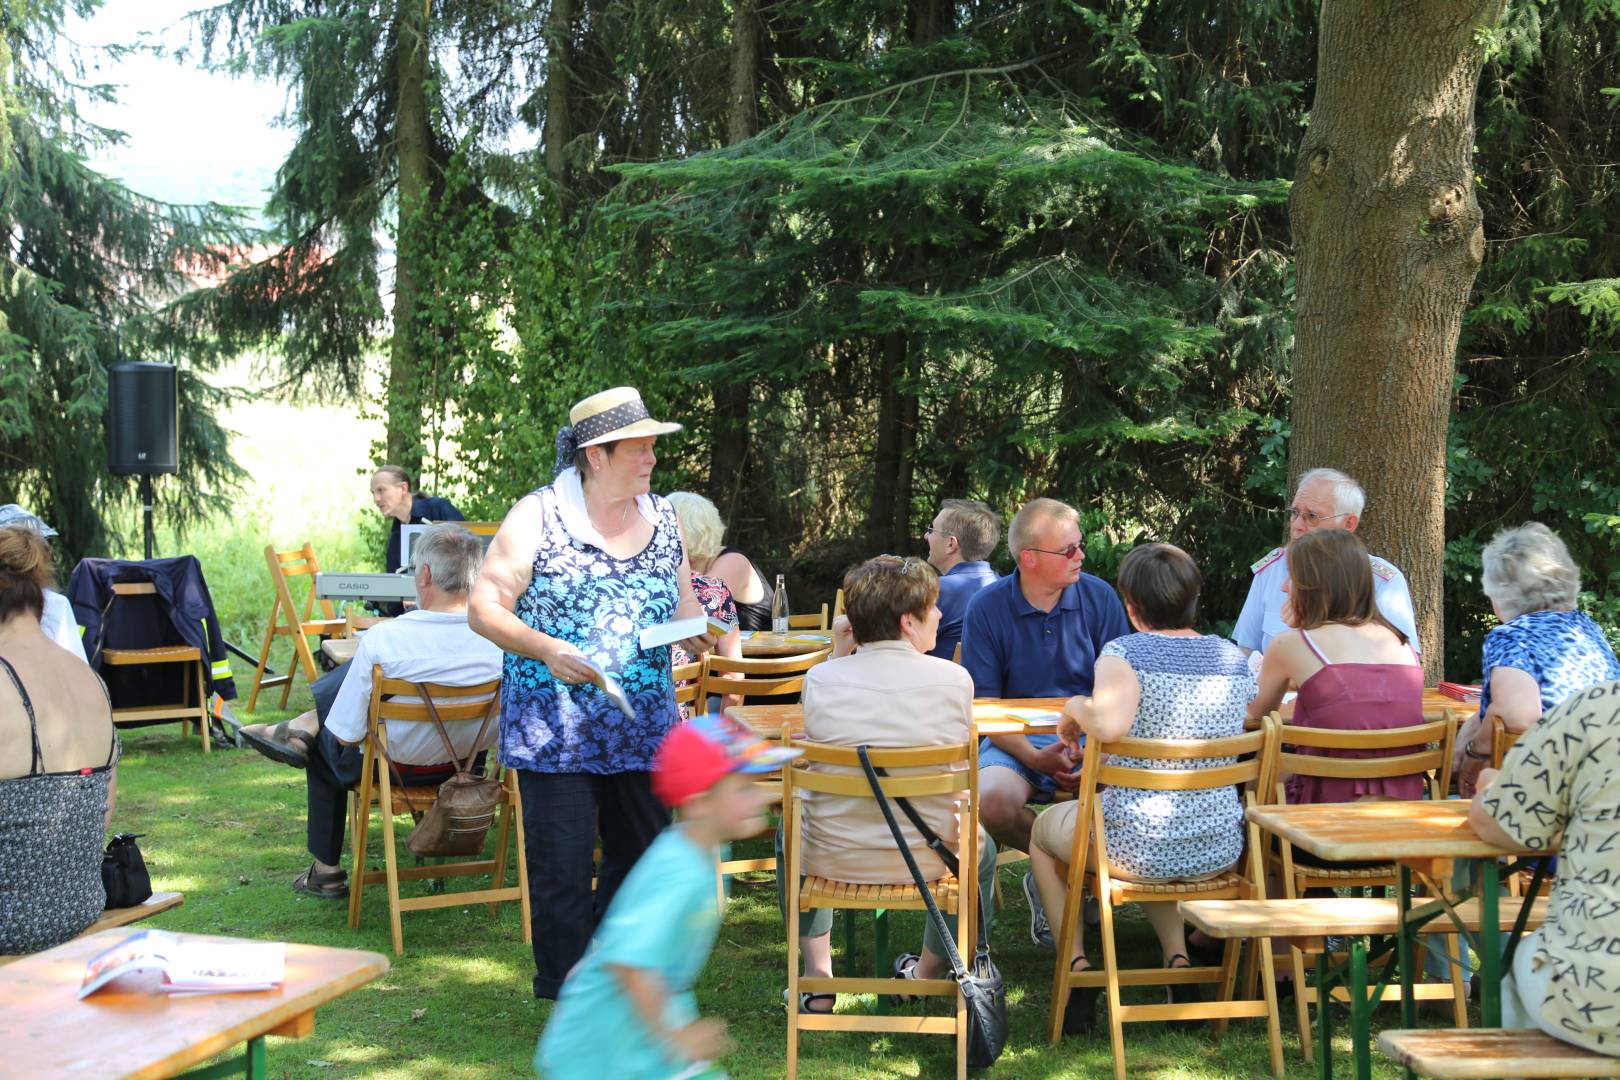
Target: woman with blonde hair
{"x":58,"y":753}
{"x":702,"y":529}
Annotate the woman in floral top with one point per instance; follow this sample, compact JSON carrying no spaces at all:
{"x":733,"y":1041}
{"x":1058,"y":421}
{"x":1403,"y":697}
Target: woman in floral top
{"x":578,"y":569}
{"x":700,"y":519}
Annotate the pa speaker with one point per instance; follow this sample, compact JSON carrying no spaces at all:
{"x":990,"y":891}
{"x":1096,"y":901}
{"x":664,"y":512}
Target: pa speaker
{"x":142,"y":419}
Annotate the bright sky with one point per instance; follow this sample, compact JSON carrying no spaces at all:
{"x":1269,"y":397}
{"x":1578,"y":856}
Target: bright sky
{"x":193,"y":136}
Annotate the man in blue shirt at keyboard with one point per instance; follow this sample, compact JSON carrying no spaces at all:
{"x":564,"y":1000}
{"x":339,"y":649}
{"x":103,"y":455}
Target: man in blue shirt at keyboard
{"x":1035,"y":633}
{"x":962,"y":536}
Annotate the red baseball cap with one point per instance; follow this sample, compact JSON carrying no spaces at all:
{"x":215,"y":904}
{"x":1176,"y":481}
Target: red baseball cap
{"x":696,"y":754}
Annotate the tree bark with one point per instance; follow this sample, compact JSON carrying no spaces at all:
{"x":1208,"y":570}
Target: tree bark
{"x":558,"y":128}
{"x":1388,"y":238}
{"x":411,"y":146}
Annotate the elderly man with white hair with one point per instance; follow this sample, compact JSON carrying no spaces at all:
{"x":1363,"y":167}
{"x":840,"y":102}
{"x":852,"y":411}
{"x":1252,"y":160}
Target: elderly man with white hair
{"x":1545,"y":651}
{"x":1323,"y":499}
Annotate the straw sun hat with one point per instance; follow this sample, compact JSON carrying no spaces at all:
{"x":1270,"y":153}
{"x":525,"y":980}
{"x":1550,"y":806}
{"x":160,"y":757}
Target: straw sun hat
{"x":607,"y":417}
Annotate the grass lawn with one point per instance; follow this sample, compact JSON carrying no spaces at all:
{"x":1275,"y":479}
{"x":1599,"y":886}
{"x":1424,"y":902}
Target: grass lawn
{"x":228,"y":831}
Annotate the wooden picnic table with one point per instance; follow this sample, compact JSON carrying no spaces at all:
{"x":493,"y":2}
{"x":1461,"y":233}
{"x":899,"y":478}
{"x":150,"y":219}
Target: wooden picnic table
{"x":990,"y":716}
{"x":1420,"y":836}
{"x":794,"y":643}
{"x":1435,"y":707}
{"x":139,"y":1034}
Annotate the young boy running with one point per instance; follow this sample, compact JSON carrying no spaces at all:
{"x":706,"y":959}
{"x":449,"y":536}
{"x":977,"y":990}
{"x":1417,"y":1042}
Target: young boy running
{"x":626,"y":1011}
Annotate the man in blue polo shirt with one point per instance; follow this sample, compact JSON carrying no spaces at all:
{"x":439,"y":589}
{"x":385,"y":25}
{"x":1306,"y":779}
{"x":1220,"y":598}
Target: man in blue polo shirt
{"x":962,"y":536}
{"x":1035,"y":633}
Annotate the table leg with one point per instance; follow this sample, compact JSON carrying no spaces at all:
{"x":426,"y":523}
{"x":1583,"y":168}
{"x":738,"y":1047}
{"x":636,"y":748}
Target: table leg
{"x":251,"y":1065}
{"x":1404,"y":947}
{"x":1324,"y":1017}
{"x":256,"y":1069}
{"x":1360,"y":1010}
{"x":1490,"y":946}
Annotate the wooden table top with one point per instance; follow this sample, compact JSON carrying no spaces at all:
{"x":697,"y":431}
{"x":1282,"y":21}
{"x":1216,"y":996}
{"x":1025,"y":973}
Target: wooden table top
{"x":989,"y":716}
{"x":793,"y":643}
{"x":1381,"y":831}
{"x":47,"y":1032}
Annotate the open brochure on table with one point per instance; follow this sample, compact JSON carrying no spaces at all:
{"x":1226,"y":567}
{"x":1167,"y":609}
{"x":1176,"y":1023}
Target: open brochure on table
{"x":1035,"y":718}
{"x":193,"y":966}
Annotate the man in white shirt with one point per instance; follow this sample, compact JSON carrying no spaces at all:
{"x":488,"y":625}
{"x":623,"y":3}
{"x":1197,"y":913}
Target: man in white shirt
{"x":432,"y":643}
{"x":1324,"y":499}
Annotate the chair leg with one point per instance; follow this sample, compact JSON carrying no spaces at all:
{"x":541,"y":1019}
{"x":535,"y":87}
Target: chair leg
{"x":360,"y":844}
{"x":1459,"y":988}
{"x":1268,"y":988}
{"x":264,"y":655}
{"x":202,"y":708}
{"x":1229,"y":973}
{"x":391,"y":861}
{"x":522,"y":858}
{"x":1116,"y":1027}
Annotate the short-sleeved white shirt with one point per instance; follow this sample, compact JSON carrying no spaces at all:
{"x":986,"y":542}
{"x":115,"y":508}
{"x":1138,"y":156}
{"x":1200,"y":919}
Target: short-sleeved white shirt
{"x":421,"y":646}
{"x":58,"y":624}
{"x":1261,"y":619}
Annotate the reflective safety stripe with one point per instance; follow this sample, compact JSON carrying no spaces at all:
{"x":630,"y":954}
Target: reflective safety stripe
{"x":222,"y":669}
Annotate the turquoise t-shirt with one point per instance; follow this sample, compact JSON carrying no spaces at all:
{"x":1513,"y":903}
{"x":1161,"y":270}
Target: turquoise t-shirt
{"x":664,"y":918}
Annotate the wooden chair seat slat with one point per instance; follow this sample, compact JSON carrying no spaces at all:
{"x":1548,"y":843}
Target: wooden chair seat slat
{"x":159,"y":654}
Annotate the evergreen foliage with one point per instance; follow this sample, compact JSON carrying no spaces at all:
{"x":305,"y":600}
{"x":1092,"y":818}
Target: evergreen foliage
{"x":85,"y":265}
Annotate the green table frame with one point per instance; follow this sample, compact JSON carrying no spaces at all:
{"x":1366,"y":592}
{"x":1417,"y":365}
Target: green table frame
{"x":251,"y":1065}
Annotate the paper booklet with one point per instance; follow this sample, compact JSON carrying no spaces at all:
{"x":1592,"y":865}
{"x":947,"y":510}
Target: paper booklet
{"x":1036,"y":718}
{"x":681,"y":629}
{"x":189,"y":967}
{"x":609,"y":686}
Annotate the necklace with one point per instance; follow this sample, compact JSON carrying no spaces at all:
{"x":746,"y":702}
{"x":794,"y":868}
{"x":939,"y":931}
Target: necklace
{"x":618,"y":527}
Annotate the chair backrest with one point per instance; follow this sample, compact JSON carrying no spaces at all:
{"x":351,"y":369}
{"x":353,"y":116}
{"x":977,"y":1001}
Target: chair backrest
{"x":1430,"y":745}
{"x":812,"y":621}
{"x":1502,"y":740}
{"x":286,"y":565}
{"x":838,"y":603}
{"x":454,"y":703}
{"x":943,"y":780}
{"x":759,"y":677}
{"x":956,"y":654}
{"x":692,"y":692}
{"x":1251,"y":748}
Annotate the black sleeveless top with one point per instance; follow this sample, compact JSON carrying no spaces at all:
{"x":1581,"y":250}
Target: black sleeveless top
{"x":51,"y":828}
{"x":755,"y":616}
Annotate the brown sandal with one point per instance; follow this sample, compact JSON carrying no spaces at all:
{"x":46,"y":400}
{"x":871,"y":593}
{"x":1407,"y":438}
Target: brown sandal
{"x":333,"y":885}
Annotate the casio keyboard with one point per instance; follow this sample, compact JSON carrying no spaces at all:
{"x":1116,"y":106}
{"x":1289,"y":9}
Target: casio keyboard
{"x":381,"y":587}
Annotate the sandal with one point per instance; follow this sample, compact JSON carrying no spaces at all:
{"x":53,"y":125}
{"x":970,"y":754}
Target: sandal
{"x":332,"y":885}
{"x":1182,"y":994}
{"x":904,"y":967}
{"x":278,"y":744}
{"x":1080,"y":1015}
{"x":806,"y":1000}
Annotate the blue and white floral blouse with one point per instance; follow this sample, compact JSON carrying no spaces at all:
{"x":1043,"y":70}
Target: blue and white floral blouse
{"x":1564,"y":651}
{"x":582,"y":595}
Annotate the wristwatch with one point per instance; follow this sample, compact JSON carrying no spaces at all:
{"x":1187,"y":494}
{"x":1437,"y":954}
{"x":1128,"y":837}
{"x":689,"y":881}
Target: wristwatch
{"x":1468,"y":751}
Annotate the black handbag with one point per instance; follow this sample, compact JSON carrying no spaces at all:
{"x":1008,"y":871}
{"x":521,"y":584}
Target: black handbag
{"x":123,"y":872}
{"x":982,"y":989}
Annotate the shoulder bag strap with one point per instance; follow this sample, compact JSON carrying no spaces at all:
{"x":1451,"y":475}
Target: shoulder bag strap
{"x":37,"y":766}
{"x":433,"y":711}
{"x":945,"y":936}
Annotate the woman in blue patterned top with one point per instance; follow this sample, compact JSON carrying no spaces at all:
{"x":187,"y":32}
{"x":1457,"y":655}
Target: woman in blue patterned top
{"x":1544,"y":651}
{"x":578,"y":569}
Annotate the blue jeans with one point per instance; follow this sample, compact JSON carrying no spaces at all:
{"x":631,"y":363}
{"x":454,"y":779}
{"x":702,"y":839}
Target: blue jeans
{"x":991,"y":755}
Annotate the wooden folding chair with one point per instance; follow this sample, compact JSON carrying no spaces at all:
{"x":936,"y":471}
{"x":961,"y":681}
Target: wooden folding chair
{"x":192,"y":708}
{"x":838,"y":603}
{"x":1088,"y":862}
{"x":377,"y":788}
{"x":955,"y":771}
{"x":1502,"y":740}
{"x":812,"y":621}
{"x":759,"y":677}
{"x":691,"y":693}
{"x":1431,"y":745}
{"x":285,"y":621}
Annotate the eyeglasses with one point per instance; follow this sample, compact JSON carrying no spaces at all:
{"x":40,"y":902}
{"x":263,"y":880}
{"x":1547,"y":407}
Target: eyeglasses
{"x":1310,"y":516}
{"x":1068,"y":553}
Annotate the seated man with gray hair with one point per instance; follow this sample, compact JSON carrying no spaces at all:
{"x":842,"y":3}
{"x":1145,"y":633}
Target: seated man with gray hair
{"x":431,"y":643}
{"x":1323,"y":499}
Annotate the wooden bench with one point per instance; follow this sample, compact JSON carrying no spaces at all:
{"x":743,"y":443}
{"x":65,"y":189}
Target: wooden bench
{"x":1492,"y":1053}
{"x":113,"y":918}
{"x":1352,"y":916}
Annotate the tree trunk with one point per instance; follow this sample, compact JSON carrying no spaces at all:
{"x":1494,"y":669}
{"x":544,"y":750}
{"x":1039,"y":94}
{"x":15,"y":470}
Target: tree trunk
{"x":729,"y":443}
{"x":1388,"y":237}
{"x":559,"y":92}
{"x":412,"y":147}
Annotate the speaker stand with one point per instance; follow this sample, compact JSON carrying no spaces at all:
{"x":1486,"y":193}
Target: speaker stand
{"x":146,"y":501}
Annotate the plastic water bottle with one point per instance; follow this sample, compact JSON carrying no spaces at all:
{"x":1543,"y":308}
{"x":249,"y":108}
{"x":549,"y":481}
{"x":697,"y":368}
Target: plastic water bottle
{"x":779,"y":607}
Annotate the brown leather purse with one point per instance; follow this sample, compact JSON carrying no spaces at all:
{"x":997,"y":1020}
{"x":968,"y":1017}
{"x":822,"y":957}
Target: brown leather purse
{"x":461,"y":815}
